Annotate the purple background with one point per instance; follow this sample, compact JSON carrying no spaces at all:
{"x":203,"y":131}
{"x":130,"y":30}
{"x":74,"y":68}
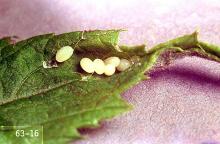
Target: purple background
{"x":180,"y":104}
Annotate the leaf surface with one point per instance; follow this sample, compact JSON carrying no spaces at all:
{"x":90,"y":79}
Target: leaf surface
{"x":63,"y":99}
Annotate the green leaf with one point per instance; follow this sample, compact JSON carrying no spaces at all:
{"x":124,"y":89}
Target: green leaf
{"x":4,"y":42}
{"x":184,"y":42}
{"x":64,"y":98}
{"x":32,"y":95}
{"x":187,"y":45}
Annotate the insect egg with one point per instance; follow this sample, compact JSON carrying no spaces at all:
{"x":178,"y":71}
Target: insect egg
{"x":64,"y":53}
{"x":87,"y":65}
{"x":99,"y":66}
{"x":113,"y":60}
{"x":124,"y":64}
{"x":109,"y":69}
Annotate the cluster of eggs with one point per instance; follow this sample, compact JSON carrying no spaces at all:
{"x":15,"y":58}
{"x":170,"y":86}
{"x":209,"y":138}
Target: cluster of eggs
{"x":107,"y":67}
